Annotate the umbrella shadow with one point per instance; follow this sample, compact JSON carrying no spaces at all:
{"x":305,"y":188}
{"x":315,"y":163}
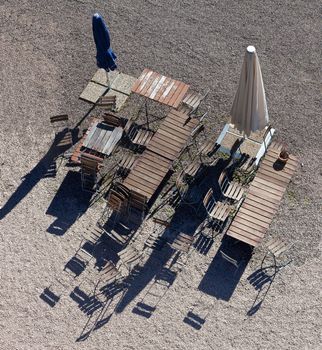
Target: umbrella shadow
{"x":46,"y":167}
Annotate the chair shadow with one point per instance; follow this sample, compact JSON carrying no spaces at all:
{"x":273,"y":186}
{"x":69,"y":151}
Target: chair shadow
{"x":69,"y":204}
{"x":155,"y":293}
{"x":194,"y":320}
{"x":49,"y":297}
{"x":262,"y":281}
{"x":88,"y":304}
{"x":184,"y":220}
{"x":222,"y":277}
{"x":46,"y":167}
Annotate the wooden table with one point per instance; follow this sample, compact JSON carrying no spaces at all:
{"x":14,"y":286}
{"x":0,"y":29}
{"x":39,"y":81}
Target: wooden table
{"x":147,"y":174}
{"x":262,"y":200}
{"x":160,"y":88}
{"x":172,"y":135}
{"x":102,"y":138}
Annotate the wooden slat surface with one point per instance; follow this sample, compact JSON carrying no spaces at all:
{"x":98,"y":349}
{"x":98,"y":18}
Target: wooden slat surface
{"x":160,"y":88}
{"x":172,"y":135}
{"x":262,"y":200}
{"x":147,"y":174}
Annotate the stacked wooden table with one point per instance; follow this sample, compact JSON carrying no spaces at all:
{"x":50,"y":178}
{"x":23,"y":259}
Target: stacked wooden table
{"x":262,"y":200}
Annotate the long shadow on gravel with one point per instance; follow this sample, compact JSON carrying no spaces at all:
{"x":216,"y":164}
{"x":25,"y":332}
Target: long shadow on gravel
{"x":46,"y":167}
{"x":185,"y":220}
{"x":222,"y":276}
{"x":69,"y":204}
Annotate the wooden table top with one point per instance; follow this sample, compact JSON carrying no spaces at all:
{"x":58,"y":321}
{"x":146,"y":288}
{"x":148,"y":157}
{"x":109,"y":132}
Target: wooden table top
{"x":172,"y":135}
{"x":262,"y":200}
{"x":102,"y":138}
{"x":160,"y":88}
{"x":147,"y":174}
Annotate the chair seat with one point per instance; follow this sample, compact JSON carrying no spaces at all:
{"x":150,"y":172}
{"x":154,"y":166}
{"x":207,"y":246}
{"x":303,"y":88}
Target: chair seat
{"x":142,"y":137}
{"x":220,"y":211}
{"x":107,"y":102}
{"x":276,"y":246}
{"x":234,"y":191}
{"x":192,"y":100}
{"x":109,"y":273}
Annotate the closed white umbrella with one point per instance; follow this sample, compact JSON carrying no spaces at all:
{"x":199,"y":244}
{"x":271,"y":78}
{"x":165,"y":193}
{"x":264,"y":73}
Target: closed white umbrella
{"x":249,"y":111}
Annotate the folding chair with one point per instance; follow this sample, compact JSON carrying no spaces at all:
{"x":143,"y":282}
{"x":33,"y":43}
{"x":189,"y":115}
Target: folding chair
{"x":231,"y":190}
{"x":192,"y":100}
{"x":129,"y":257}
{"x":155,"y":241}
{"x":275,"y":248}
{"x":217,"y":212}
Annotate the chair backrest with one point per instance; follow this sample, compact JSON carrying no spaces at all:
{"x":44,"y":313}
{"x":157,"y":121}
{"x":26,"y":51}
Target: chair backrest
{"x":116,"y":201}
{"x":209,"y":200}
{"x":180,"y":182}
{"x":268,"y":131}
{"x":89,"y":163}
{"x":128,"y":126}
{"x":161,"y":222}
{"x":138,"y":201}
{"x":122,"y":190}
{"x":223,"y":180}
{"x":112,"y":119}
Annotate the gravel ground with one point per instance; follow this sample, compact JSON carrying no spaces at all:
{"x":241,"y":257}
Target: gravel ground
{"x":47,"y":56}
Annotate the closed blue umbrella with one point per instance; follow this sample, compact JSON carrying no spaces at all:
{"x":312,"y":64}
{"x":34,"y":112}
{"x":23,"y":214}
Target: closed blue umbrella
{"x":105,"y":57}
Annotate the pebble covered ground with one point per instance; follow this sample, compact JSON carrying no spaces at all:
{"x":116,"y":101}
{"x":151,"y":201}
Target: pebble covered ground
{"x":47,"y":57}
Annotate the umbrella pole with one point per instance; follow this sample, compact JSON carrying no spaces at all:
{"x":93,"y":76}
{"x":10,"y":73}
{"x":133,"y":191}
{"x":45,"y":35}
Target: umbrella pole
{"x":107,"y":79}
{"x":146,"y":114}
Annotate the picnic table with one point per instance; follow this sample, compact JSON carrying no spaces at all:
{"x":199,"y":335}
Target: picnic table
{"x":160,"y":88}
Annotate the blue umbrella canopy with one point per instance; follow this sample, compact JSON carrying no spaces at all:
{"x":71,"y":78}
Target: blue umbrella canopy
{"x":105,"y":57}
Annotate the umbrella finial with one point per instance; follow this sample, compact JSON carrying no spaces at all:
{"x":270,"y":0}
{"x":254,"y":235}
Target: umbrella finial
{"x":251,"y":49}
